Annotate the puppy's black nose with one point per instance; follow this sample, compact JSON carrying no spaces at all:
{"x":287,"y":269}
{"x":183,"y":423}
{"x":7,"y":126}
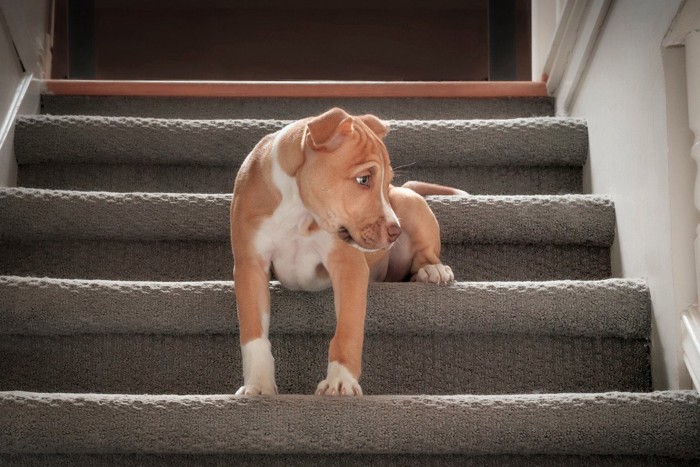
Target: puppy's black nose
{"x":393,"y":231}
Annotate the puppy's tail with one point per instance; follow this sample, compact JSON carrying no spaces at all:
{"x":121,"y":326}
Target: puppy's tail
{"x":427,"y":189}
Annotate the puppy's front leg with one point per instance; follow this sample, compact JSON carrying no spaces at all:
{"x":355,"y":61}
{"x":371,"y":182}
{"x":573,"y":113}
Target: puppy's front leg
{"x":350,"y":277}
{"x":251,"y":281}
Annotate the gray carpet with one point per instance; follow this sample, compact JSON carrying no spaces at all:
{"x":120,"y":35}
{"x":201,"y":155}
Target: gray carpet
{"x":467,"y":363}
{"x":563,"y":424}
{"x":295,"y":108}
{"x":491,"y":338}
{"x":174,"y":236}
{"x":485,"y":180}
{"x":428,"y":149}
{"x":204,"y":260}
{"x":115,"y":282}
{"x":453,"y":143}
{"x":607,"y":308}
{"x":344,"y":460}
{"x":38,"y":214}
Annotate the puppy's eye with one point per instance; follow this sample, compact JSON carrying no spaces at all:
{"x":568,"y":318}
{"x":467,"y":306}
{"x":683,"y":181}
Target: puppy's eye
{"x":363,"y":180}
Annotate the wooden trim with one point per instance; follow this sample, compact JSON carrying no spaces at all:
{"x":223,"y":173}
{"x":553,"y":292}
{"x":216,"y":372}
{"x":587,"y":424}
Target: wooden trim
{"x":448,"y":89}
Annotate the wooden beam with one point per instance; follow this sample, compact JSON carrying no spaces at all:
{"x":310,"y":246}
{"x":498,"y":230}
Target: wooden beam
{"x":445,"y":89}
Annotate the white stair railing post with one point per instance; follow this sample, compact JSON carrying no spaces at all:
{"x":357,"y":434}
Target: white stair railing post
{"x":691,"y":317}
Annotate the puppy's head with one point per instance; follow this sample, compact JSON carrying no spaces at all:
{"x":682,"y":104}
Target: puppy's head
{"x":345,"y":179}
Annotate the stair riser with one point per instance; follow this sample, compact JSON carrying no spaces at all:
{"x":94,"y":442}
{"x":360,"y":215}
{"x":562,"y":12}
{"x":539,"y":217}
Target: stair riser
{"x":346,"y":460}
{"x":477,"y":180}
{"x":615,"y":424}
{"x":201,"y":364}
{"x":35,"y":214}
{"x":194,"y":261}
{"x":539,"y":142}
{"x":617,"y":308}
{"x":291,"y":108}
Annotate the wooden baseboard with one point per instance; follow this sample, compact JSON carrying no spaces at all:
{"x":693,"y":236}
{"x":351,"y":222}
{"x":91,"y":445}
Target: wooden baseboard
{"x":444,"y":89}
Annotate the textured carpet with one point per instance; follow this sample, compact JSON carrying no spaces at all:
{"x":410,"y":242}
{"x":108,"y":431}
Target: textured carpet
{"x":467,"y":363}
{"x":203,"y":260}
{"x":607,"y":308}
{"x":118,"y":140}
{"x":491,"y":338}
{"x":505,"y":151}
{"x":608,"y":423}
{"x":344,"y":460}
{"x":485,"y":180}
{"x":37,"y":214}
{"x":295,"y":108}
{"x":185,"y":236}
{"x":115,"y":283}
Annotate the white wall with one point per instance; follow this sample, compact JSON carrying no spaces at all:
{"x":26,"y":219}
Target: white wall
{"x":544,"y":23}
{"x":629,"y":101}
{"x":24,"y":26}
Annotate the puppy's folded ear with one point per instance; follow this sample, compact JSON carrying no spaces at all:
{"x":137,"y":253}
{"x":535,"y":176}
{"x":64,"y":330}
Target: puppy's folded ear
{"x":379,"y":127}
{"x":327,"y":131}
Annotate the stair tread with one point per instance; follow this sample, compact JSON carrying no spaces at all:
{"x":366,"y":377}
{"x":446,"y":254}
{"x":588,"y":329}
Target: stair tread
{"x":662,"y":423}
{"x":39,"y":214}
{"x":468,"y":337}
{"x":135,"y":140}
{"x":606,"y":308}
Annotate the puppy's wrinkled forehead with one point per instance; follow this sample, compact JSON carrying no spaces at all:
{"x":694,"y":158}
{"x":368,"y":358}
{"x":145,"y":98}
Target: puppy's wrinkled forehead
{"x":330,"y":131}
{"x":345,"y":143}
{"x":368,"y":145}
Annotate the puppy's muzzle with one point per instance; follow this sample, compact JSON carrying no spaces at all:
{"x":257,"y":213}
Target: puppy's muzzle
{"x":370,"y":240}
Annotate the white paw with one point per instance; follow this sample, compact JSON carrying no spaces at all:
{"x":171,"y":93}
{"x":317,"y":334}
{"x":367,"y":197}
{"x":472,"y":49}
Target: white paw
{"x":434,"y":274}
{"x":338,"y":382}
{"x":249,"y":390}
{"x":258,"y":369}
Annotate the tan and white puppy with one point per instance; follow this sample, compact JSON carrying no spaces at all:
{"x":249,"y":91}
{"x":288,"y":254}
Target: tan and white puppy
{"x":313,"y":203}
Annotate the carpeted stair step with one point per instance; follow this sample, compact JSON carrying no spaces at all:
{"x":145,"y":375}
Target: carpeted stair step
{"x":181,"y":337}
{"x":160,"y":236}
{"x":471,"y":373}
{"x":517,"y":156}
{"x":295,"y":108}
{"x":657,"y":428}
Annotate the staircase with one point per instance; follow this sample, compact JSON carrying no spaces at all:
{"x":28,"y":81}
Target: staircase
{"x":119,"y":339}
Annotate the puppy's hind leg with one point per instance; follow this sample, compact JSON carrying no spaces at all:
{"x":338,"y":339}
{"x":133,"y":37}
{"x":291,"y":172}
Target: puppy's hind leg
{"x":428,"y":189}
{"x":423,"y":232}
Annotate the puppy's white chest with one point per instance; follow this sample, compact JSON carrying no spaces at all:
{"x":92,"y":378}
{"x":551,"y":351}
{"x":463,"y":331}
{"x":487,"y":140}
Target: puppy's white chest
{"x":296,"y":255}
